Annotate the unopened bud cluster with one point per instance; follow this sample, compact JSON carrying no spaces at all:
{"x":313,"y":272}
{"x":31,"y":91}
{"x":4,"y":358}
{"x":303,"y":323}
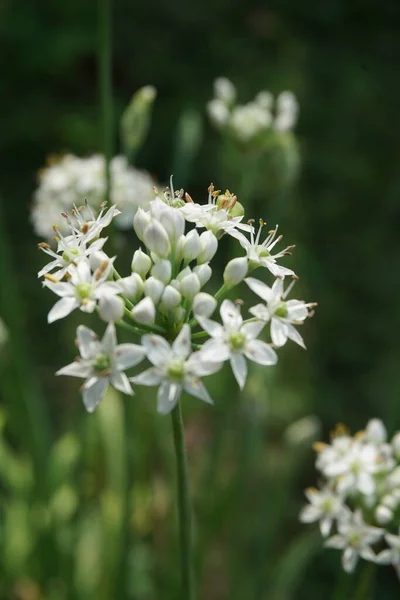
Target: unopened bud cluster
{"x":358,"y":503}
{"x":166,"y":300}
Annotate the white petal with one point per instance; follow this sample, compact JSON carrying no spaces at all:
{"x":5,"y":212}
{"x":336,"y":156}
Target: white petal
{"x":294,"y":335}
{"x":200,"y":367}
{"x":128,"y":355}
{"x":261,"y":312}
{"x":275,"y":269}
{"x":279,"y":332}
{"x":109,"y":340}
{"x":261,"y":353}
{"x":230,"y":315}
{"x":61,"y":288}
{"x":150,"y":377}
{"x":297,"y":310}
{"x":182,"y":344}
{"x":167,"y":396}
{"x":94,"y":393}
{"x":86,"y":340}
{"x":325,"y":526}
{"x":366,"y":484}
{"x":211,"y":327}
{"x":195,"y":387}
{"x":253,"y":329}
{"x":121,"y":382}
{"x":336,"y":541}
{"x":215,"y":350}
{"x":259,"y":288}
{"x":349,"y":559}
{"x":62,"y":308}
{"x":47,"y":268}
{"x":309,"y":514}
{"x":75,"y":369}
{"x":239,"y":368}
{"x":385,"y":557}
{"x":109,"y":288}
{"x":157,"y":349}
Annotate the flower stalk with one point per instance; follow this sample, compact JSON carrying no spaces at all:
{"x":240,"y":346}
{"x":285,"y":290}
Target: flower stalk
{"x":105,"y":79}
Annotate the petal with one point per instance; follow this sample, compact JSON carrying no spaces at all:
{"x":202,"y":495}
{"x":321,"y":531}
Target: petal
{"x":230,"y":315}
{"x":75,"y":369}
{"x":157,"y":349}
{"x":200,"y":367}
{"x":167,"y":396}
{"x":109,"y":340}
{"x":182,"y":344}
{"x":215,"y":350}
{"x":259,"y":288}
{"x":150,"y":377}
{"x":349,"y":559}
{"x":121,"y":382}
{"x":94,"y":393}
{"x":366,"y":484}
{"x":385,"y":557}
{"x":87,"y":342}
{"x":253,"y":329}
{"x":309,"y":514}
{"x":128,"y":355}
{"x":211,"y":327}
{"x":61,"y":288}
{"x":336,"y":541}
{"x":62,"y":308}
{"x":275,"y":269}
{"x":109,"y":288}
{"x":294,"y":335}
{"x":261,"y":312}
{"x":297,"y":310}
{"x":195,"y":387}
{"x":239,"y":368}
{"x":325,"y":526}
{"x":279,"y":332}
{"x":261,"y":353}
{"x":49,"y":267}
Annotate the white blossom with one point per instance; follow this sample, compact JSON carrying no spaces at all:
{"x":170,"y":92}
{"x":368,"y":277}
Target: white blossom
{"x":326,"y":506}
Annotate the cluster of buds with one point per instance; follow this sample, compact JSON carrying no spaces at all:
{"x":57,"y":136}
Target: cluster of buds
{"x":68,"y":179}
{"x":247,"y":121}
{"x":163,"y":300}
{"x":360,"y":495}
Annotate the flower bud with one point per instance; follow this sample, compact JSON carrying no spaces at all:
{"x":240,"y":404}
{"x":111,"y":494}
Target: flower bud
{"x":111,"y":308}
{"x":203,"y":272}
{"x":396,"y":444}
{"x":383,"y":514}
{"x":209,"y":246}
{"x":189,"y":286}
{"x":235,"y":271}
{"x":224,"y":90}
{"x":156,"y":239}
{"x":97,"y":259}
{"x":141,"y":263}
{"x":375,"y":431}
{"x":141,"y":220}
{"x":179,"y":314}
{"x":186,"y":271}
{"x":174,"y":283}
{"x":170,"y":299}
{"x":154,"y":288}
{"x":132,"y":287}
{"x":145,"y":311}
{"x":204,"y":304}
{"x":390,"y":501}
{"x":162,"y":270}
{"x":173,"y":222}
{"x":191,"y":246}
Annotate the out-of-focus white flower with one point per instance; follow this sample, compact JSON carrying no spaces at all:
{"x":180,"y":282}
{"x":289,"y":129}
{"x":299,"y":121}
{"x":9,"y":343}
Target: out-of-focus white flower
{"x":102,"y":363}
{"x":282,"y":313}
{"x":235,"y":341}
{"x":355,"y":538}
{"x":287,"y":109}
{"x":224,"y":90}
{"x":303,"y":431}
{"x":249,"y":120}
{"x":375,"y":431}
{"x":325,"y":506}
{"x":175,"y":369}
{"x":218,"y":112}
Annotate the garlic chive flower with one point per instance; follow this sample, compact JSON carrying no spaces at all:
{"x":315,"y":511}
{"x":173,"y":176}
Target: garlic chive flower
{"x":102,"y":363}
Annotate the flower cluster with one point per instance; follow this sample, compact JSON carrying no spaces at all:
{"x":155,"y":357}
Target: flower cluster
{"x":246,"y":121}
{"x":69,"y":179}
{"x":360,"y":495}
{"x":163,"y":301}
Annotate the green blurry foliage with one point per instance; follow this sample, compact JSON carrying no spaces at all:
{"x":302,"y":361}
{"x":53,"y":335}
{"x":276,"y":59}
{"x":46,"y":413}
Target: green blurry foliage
{"x":136,"y":120}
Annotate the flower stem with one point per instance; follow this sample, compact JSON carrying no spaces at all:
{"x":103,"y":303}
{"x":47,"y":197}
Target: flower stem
{"x":364,"y":589}
{"x":105,"y":80}
{"x":184,"y":507}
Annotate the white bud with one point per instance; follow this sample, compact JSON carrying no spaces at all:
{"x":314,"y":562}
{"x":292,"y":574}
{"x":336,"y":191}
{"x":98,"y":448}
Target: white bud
{"x":204,"y":304}
{"x":141,"y":263}
{"x":132,"y":287}
{"x":235,"y":271}
{"x":303,"y":431}
{"x":174,"y":283}
{"x":191,"y":246}
{"x":396,"y":444}
{"x":209,"y":246}
{"x":162,"y":270}
{"x":186,"y":271}
{"x":154,"y":288}
{"x":174,"y":223}
{"x":141,"y":220}
{"x":156,"y":239}
{"x":170,"y":299}
{"x":375,"y":431}
{"x":218,"y":112}
{"x":145,"y":311}
{"x":189,"y":286}
{"x":390,"y":501}
{"x":383,"y":514}
{"x":97,"y":259}
{"x":111,"y":308}
{"x":224,"y":89}
{"x":179,"y":314}
{"x":204,"y":273}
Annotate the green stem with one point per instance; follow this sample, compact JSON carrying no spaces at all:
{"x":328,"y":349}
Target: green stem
{"x":105,"y":79}
{"x":184,"y":507}
{"x":364,"y":589}
{"x":146,"y":328}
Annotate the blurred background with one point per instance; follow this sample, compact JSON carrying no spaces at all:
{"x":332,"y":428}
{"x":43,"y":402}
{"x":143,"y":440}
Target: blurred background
{"x":87,"y":501}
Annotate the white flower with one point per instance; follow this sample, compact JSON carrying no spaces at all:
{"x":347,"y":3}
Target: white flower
{"x":218,"y":112}
{"x":224,"y":90}
{"x":236,"y":341}
{"x":260,"y":255}
{"x":375,"y":431}
{"x":175,"y":369}
{"x":325,"y":506}
{"x":102,"y":363}
{"x":82,"y":290}
{"x":287,"y":109}
{"x":68,"y":253}
{"x":355,"y":538}
{"x":282,"y":313}
{"x":391,"y":555}
{"x":248,"y":120}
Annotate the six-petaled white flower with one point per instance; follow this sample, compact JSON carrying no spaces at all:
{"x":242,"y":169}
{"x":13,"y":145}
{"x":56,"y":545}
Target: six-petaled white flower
{"x":325,"y":506}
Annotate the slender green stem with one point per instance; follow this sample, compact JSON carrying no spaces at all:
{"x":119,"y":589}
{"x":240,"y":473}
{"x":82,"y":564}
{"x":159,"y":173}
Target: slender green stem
{"x":364,"y":588}
{"x":184,"y":506}
{"x":146,"y":328}
{"x":105,"y":80}
{"x":199,"y":334}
